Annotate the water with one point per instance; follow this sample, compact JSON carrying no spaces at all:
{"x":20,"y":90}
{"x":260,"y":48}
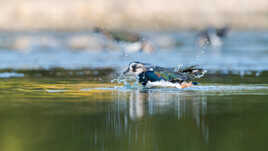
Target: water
{"x":55,"y":97}
{"x":241,"y":52}
{"x":74,"y":113}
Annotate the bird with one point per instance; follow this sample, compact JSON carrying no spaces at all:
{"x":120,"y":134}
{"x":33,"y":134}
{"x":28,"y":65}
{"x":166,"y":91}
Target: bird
{"x":132,"y":42}
{"x":212,"y":36}
{"x":153,"y":76}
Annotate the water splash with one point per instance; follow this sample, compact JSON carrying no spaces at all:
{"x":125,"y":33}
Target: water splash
{"x":128,"y":82}
{"x":163,"y":84}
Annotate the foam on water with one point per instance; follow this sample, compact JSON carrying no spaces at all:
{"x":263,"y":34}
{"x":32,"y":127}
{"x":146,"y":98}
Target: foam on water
{"x":164,"y":84}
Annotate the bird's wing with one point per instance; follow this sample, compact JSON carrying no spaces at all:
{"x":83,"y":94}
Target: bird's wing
{"x":181,"y":73}
{"x":125,"y":36}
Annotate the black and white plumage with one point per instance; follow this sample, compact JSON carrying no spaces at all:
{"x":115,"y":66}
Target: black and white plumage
{"x":212,"y":36}
{"x":179,"y":77}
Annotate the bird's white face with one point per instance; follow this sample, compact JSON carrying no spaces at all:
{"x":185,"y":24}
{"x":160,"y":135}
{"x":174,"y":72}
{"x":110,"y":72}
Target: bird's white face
{"x":135,"y":68}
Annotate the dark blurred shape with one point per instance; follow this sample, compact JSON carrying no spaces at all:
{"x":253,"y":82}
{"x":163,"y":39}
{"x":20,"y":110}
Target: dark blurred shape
{"x":212,"y":36}
{"x":119,"y":36}
{"x":222,"y":32}
{"x":132,"y":42}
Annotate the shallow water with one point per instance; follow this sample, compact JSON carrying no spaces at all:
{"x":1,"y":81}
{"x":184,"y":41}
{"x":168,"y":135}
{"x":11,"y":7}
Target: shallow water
{"x":242,"y":51}
{"x":74,"y":113}
{"x":57,"y":95}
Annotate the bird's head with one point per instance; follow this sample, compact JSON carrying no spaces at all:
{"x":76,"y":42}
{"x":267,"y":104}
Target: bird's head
{"x":135,"y":68}
{"x":223,"y":32}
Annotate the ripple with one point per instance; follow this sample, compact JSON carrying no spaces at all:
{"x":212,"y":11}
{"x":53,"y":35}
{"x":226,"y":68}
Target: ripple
{"x":198,"y":90}
{"x":55,"y":91}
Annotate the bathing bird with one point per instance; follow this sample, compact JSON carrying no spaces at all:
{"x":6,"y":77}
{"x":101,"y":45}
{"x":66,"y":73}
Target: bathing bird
{"x":132,"y":42}
{"x":212,"y":36}
{"x":155,"y":76}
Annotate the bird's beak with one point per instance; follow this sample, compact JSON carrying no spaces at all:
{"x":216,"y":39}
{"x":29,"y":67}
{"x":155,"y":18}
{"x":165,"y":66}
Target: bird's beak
{"x":126,"y":71}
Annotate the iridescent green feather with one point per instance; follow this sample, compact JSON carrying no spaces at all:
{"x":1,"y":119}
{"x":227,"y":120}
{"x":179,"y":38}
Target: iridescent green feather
{"x":167,"y":76}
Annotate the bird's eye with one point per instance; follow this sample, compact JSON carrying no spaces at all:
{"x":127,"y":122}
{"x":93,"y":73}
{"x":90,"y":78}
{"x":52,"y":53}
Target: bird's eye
{"x":134,"y":67}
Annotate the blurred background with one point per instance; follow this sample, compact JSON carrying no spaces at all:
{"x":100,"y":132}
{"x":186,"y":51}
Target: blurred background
{"x":60,"y":62}
{"x":132,"y":14}
{"x":67,"y":34}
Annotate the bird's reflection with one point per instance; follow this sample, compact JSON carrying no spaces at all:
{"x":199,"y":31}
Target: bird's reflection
{"x":137,"y":101}
{"x":187,"y":104}
{"x":183,"y":104}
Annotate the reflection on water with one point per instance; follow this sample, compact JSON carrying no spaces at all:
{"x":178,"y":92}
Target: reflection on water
{"x":134,"y":120}
{"x":148,"y":119}
{"x":144,"y":103}
{"x":71,"y":113}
